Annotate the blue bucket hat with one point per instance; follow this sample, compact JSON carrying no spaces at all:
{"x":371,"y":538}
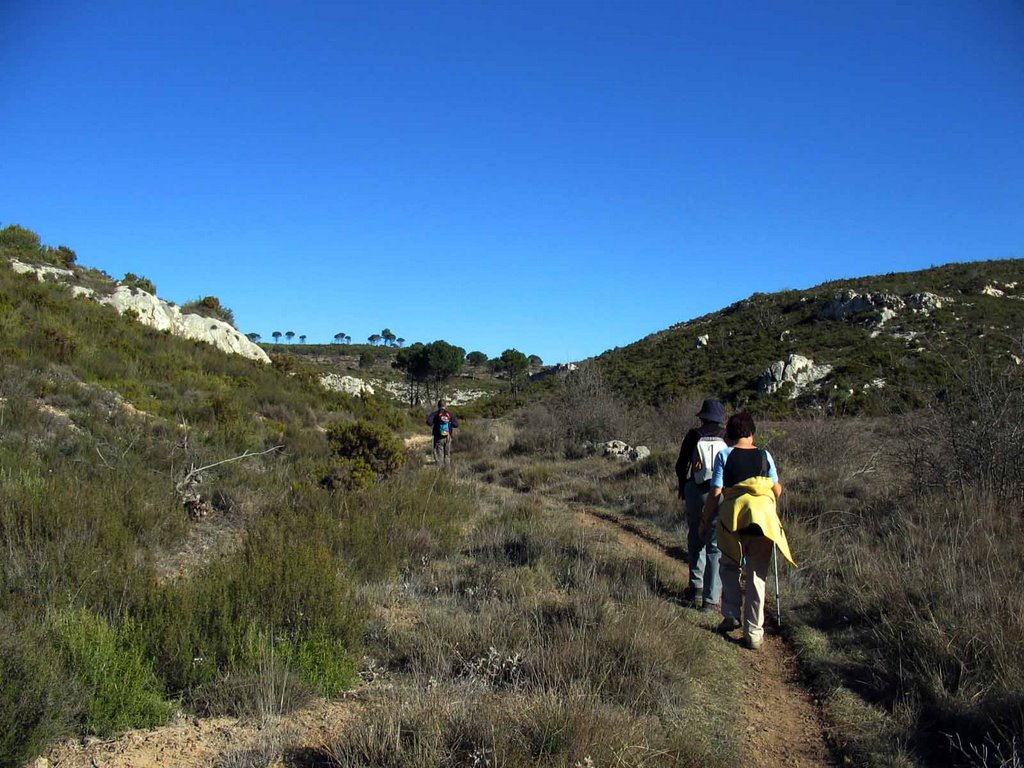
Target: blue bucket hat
{"x":712,"y":410}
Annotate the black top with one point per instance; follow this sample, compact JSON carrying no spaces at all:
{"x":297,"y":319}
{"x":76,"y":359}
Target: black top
{"x":744,"y":463}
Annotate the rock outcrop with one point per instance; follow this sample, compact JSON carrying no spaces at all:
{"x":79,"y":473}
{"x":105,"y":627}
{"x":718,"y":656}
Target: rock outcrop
{"x":157,"y":313}
{"x":616,"y":449}
{"x":882,"y":307}
{"x":798,"y":370}
{"x":850,"y":302}
{"x":350,"y":385}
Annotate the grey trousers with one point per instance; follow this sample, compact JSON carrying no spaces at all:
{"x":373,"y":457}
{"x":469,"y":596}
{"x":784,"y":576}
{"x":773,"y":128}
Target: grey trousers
{"x":443,"y":451}
{"x":702,"y":555}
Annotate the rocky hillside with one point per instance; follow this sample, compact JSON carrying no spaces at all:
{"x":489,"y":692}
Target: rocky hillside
{"x":361,"y":368}
{"x":857,"y":344}
{"x":147,"y":308}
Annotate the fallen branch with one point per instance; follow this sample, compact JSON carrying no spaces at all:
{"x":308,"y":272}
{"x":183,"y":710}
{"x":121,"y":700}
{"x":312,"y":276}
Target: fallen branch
{"x":187,"y":487}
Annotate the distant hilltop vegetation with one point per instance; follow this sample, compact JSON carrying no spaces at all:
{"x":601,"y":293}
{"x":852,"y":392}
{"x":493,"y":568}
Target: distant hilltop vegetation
{"x":857,"y":344}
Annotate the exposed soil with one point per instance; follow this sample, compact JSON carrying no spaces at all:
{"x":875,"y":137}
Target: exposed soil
{"x":193,"y":743}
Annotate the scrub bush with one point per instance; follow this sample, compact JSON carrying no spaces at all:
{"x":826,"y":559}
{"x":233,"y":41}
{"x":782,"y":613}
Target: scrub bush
{"x":368,"y":444}
{"x":37,"y":702}
{"x":119,"y":688}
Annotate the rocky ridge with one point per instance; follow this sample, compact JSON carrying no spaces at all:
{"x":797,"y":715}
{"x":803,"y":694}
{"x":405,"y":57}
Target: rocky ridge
{"x":353,"y":385}
{"x":156,"y":313}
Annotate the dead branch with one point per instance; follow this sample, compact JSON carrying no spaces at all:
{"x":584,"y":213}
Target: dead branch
{"x":188,"y":487}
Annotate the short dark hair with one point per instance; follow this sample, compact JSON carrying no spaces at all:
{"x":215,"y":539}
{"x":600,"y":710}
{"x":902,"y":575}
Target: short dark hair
{"x":740,"y":425}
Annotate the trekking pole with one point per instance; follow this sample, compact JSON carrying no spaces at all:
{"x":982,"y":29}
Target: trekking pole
{"x":778,"y":600}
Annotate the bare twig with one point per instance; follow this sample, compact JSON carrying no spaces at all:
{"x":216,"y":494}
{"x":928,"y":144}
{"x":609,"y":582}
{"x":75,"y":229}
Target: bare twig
{"x":187,"y":487}
{"x":246,"y":455}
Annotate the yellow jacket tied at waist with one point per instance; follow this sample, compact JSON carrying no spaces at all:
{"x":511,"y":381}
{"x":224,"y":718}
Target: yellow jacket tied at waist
{"x":751,"y":502}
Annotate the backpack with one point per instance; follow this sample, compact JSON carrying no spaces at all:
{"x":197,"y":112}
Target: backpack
{"x":703,"y":461}
{"x":443,"y":423}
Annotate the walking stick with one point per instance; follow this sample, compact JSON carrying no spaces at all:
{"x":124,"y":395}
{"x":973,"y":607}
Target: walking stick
{"x":778,"y":600}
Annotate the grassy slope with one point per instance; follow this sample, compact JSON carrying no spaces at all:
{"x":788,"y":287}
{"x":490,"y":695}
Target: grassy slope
{"x":747,"y":337}
{"x":101,"y":416}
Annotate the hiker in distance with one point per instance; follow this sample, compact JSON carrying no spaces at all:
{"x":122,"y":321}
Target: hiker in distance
{"x":693,"y":469}
{"x":444,"y":424}
{"x":745,"y":490}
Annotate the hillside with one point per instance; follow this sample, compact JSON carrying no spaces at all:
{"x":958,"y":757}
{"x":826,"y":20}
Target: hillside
{"x":886,"y":338}
{"x":356,"y":368}
{"x":212,"y":560}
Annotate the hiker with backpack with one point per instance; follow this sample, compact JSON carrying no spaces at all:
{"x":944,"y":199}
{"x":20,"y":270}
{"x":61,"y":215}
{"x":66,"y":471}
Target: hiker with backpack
{"x":745,"y":490}
{"x":444,"y":424}
{"x":693,"y":469}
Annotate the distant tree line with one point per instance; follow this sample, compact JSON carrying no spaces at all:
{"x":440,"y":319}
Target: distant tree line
{"x":427,"y":367}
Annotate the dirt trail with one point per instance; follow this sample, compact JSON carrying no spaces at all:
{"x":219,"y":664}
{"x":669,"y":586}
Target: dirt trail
{"x":783,"y":721}
{"x":199,"y":743}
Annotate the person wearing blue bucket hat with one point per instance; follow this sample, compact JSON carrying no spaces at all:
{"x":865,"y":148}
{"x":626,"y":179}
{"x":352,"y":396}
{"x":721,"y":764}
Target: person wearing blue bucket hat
{"x":693,"y":469}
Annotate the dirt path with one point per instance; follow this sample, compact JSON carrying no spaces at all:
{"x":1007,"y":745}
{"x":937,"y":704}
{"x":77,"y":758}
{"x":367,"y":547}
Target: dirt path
{"x":783,"y":722}
{"x":194,"y":743}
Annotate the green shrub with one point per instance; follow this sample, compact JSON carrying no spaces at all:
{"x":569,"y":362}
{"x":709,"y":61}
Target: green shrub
{"x":19,"y":243}
{"x":138,"y":281}
{"x":287,"y":579}
{"x":263,"y":687}
{"x":209,"y":306}
{"x":120,"y":690}
{"x":368,"y":444}
{"x":37,"y":701}
{"x":324,"y":662}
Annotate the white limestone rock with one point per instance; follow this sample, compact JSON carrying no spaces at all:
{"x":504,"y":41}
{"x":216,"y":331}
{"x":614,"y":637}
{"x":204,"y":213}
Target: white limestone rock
{"x":850,"y":302}
{"x":614,"y":448}
{"x":350,"y":385}
{"x":639,"y":453}
{"x":42,"y":271}
{"x":926,"y":302}
{"x":157,"y":313}
{"x":617,"y":449}
{"x":400,"y":391}
{"x":799,"y":370}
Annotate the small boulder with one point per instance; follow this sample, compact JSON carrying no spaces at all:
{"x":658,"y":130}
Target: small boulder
{"x":639,"y":453}
{"x":614,"y":448}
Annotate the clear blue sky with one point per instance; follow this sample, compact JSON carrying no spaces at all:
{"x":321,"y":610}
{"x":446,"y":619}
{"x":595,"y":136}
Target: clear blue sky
{"x":552,"y":175}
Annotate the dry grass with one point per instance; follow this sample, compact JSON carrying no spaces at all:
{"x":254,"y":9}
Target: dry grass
{"x":535,"y":645}
{"x":906,"y":607}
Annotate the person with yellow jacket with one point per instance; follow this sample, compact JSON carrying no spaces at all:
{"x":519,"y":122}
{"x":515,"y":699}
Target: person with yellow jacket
{"x":745,"y":490}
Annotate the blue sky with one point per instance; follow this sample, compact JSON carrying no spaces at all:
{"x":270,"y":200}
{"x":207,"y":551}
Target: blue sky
{"x":557,"y":176}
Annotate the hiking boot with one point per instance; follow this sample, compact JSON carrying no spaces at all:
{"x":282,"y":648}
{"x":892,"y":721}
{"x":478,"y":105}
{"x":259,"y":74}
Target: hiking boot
{"x":752,"y":643}
{"x":729,"y":623}
{"x":710,"y":607}
{"x":691,"y":598}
